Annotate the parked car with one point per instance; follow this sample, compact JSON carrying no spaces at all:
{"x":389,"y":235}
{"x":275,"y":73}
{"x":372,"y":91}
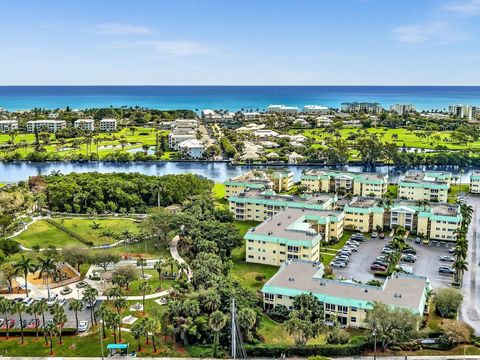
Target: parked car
{"x":83,"y":326}
{"x":49,"y":321}
{"x":52,"y":299}
{"x":418,"y":240}
{"x":353,"y":242}
{"x":351,"y":248}
{"x":17,"y":299}
{"x":387,"y":251}
{"x":81,"y":284}
{"x":406,"y":269}
{"x":62,"y":301}
{"x":2,"y":321}
{"x":338,"y":263}
{"x":409,"y":258}
{"x":11,"y":324}
{"x":374,"y":235}
{"x":32,"y":324}
{"x":451,"y":250}
{"x":447,"y":258}
{"x":357,"y":236}
{"x":381,"y":235}
{"x":381,"y":263}
{"x":410,"y":251}
{"x":344,"y":251}
{"x":376,"y":267}
{"x":28,"y":301}
{"x":343,"y":258}
{"x":381,"y":258}
{"x":21,"y":324}
{"x":66,"y":290}
{"x":446,"y":270}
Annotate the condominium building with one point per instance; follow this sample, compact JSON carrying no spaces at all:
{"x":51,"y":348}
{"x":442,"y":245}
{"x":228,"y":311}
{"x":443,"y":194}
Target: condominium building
{"x":85,"y":124}
{"x":401,"y":109}
{"x":345,"y":302}
{"x":324,"y":121}
{"x":250,"y":180}
{"x":364,"y":184}
{"x":462,"y":111}
{"x":8,"y":125}
{"x":436,"y":221}
{"x":365,"y":107}
{"x":108,"y":125}
{"x":191,"y":149}
{"x":475,"y":182}
{"x":316,"y":110}
{"x":178,"y":136}
{"x":258,"y":205}
{"x":282,"y":180}
{"x":45,"y":125}
{"x":430,"y":186}
{"x":292,"y":234}
{"x":251,"y":116}
{"x":282,"y":109}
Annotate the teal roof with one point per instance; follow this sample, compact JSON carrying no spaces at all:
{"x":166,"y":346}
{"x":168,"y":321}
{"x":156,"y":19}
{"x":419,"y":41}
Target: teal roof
{"x":425,"y":184}
{"x":362,"y":178}
{"x":251,"y":185}
{"x":283,"y":203}
{"x":117,"y":346}
{"x":279,"y":240}
{"x":375,"y":209}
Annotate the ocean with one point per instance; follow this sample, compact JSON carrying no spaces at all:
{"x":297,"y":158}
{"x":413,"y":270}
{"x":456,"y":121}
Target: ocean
{"x":231,"y":98}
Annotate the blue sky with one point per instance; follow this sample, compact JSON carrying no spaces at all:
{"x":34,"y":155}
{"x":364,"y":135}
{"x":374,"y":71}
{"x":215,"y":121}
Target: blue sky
{"x":245,"y":42}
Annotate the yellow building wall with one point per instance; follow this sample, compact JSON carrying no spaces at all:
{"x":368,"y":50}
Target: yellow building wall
{"x":475,"y":186}
{"x":415,"y":193}
{"x":268,"y":253}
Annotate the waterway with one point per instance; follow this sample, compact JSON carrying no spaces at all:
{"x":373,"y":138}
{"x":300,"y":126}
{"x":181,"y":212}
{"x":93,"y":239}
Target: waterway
{"x":217,"y":171}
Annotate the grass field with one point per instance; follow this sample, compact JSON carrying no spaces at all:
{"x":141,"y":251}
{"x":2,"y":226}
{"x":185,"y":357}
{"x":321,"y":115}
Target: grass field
{"x":107,"y":143}
{"x":405,"y":137}
{"x":154,"y":282}
{"x":43,"y":234}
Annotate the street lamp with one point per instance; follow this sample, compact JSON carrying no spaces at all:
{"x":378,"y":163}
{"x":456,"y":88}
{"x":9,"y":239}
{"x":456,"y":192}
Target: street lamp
{"x":374,"y":344}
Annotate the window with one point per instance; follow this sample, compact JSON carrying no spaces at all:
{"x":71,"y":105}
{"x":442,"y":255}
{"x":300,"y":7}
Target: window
{"x":279,"y":296}
{"x":353,"y":319}
{"x":293,"y":249}
{"x":353,"y":308}
{"x":269,"y":297}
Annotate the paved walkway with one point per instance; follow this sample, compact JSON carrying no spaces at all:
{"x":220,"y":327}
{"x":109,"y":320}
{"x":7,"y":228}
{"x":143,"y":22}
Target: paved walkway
{"x":176,"y":255}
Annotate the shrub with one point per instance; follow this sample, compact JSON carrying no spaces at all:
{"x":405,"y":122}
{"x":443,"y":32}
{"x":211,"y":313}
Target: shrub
{"x":261,"y":350}
{"x":279,"y":313}
{"x":337,"y":336}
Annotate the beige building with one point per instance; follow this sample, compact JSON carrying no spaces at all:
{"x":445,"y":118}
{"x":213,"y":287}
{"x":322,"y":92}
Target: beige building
{"x":475,"y":182}
{"x":436,"y":221}
{"x":282,"y":180}
{"x":345,"y":302}
{"x":258,"y":205}
{"x":430,"y":186}
{"x":292,"y":234}
{"x":278,"y":180}
{"x":363,"y":184}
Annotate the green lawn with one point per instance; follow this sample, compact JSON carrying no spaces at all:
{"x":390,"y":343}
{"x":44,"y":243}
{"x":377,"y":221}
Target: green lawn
{"x":274,"y":333}
{"x":393,"y":189}
{"x":155,"y":284}
{"x":455,"y":190}
{"x":219,"y":191}
{"x":44,"y":234}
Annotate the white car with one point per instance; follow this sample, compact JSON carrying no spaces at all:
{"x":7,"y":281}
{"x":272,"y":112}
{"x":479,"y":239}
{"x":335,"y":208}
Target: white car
{"x":62,"y":301}
{"x":83,"y":326}
{"x":28,"y":301}
{"x":337,"y":263}
{"x":406,"y":269}
{"x":52,"y":300}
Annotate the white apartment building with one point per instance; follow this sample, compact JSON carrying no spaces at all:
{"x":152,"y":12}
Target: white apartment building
{"x":108,"y":125}
{"x":401,"y":109}
{"x":323,"y":121}
{"x":85,"y":124}
{"x":176,"y":137}
{"x":8,"y":125}
{"x":45,"y":125}
{"x":461,"y":111}
{"x":192,"y":148}
{"x":366,"y":107}
{"x":251,"y":116}
{"x":316,"y":110}
{"x":282,"y":109}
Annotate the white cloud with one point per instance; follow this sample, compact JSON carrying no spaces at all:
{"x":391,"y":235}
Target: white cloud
{"x":120,"y":29}
{"x":437,"y":32}
{"x":467,"y":8}
{"x":168,"y":47}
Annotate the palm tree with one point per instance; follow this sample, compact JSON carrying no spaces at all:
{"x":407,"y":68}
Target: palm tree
{"x":42,"y":308}
{"x":34,"y":310}
{"x":120,"y":304}
{"x":182,"y":269}
{"x":460,"y":266}
{"x":47,"y":269}
{"x":144,"y":289}
{"x":153,"y":326}
{"x":6,"y":308}
{"x":142,"y":263}
{"x":19,"y":308}
{"x":217,"y":322}
{"x":137,"y":330}
{"x":158,"y":266}
{"x":76,"y":305}
{"x":102,"y":313}
{"x":51,"y":330}
{"x":25,"y":266}
{"x":59,"y":319}
{"x":89,"y":297}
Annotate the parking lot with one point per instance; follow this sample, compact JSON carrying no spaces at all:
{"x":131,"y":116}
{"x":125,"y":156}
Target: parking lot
{"x":426,"y":265}
{"x":82,"y":315}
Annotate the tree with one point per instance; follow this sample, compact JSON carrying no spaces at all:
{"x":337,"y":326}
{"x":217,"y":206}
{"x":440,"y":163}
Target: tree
{"x":76,"y":305}
{"x":47,"y":268}
{"x":457,"y":332}
{"x":217,"y":322}
{"x":34,"y":309}
{"x":158,"y":266}
{"x":25,"y":266}
{"x":103,"y":259}
{"x":137,"y":330}
{"x":129,"y":273}
{"x":51,"y":330}
{"x":76,"y":255}
{"x":6,"y":307}
{"x":20,"y":308}
{"x":302,"y":330}
{"x":142,"y":263}
{"x":144,"y":289}
{"x":103,"y":312}
{"x":113,"y":321}
{"x":42,"y":308}
{"x":89,"y":297}
{"x":392,"y":325}
{"x":447,"y":302}
{"x":8,"y":273}
{"x":59,"y":319}
{"x":153,"y":326}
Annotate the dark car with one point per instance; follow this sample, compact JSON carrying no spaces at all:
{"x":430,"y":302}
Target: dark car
{"x":381,"y":235}
{"x":409,"y":258}
{"x":381,"y":263}
{"x":418,"y":240}
{"x":446,"y":270}
{"x":376,"y":267}
{"x":21,"y":324}
{"x":11,"y":324}
{"x":411,"y":251}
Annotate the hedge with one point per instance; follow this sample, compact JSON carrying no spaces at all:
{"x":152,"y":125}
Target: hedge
{"x":350,"y":349}
{"x":69,"y":232}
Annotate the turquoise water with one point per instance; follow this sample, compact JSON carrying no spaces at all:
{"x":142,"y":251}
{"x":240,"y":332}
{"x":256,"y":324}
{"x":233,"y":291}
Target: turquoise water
{"x":231,"y":97}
